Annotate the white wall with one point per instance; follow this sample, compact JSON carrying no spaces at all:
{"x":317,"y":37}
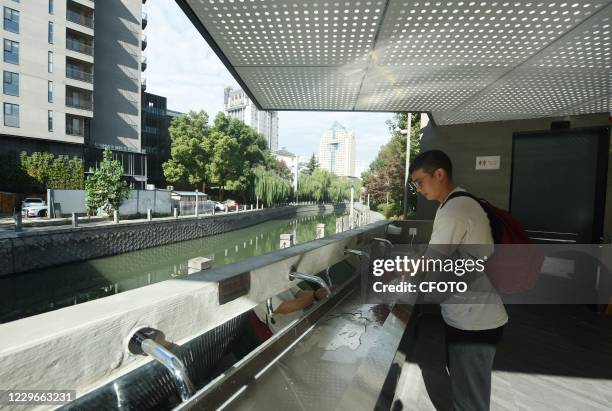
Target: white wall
{"x":73,"y":201}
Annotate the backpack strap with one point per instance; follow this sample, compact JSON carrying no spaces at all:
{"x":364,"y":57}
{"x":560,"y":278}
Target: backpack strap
{"x":496,"y":227}
{"x":461,"y":194}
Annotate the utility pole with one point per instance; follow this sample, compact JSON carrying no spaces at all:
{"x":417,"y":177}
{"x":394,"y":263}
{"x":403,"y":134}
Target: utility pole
{"x":406,"y":176}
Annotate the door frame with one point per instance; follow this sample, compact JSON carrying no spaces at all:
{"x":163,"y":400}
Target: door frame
{"x":601,"y":179}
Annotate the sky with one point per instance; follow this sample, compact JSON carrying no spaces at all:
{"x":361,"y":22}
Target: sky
{"x":182,"y":67}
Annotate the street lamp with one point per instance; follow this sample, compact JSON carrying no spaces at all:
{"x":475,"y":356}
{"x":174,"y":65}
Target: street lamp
{"x":407,"y":132}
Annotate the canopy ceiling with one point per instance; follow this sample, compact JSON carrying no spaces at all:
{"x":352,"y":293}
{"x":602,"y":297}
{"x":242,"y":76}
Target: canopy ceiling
{"x":463,"y":61}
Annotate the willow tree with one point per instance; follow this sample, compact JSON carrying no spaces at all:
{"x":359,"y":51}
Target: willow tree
{"x":271,"y":187}
{"x":316,"y":186}
{"x":340,"y":189}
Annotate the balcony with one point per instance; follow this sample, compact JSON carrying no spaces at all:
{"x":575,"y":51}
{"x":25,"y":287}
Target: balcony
{"x":143,"y":64}
{"x":143,"y":43}
{"x":143,"y":84}
{"x":80,"y":15}
{"x":77,"y":74}
{"x":79,"y":46}
{"x":144,"y":20}
{"x":79,"y":98}
{"x":77,"y":126}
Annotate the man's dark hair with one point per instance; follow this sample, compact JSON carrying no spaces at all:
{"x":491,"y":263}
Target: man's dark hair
{"x":432,"y":160}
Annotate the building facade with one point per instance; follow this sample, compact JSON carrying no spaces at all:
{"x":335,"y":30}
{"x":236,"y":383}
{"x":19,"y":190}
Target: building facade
{"x":238,"y":105}
{"x":156,"y":141}
{"x":337,"y":151}
{"x":292,"y":161}
{"x":72,"y":78}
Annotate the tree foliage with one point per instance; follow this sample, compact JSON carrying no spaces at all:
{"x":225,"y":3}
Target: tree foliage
{"x":105,"y":187}
{"x":251,"y":151}
{"x":271,"y":187}
{"x":386,"y":175}
{"x":48,"y":171}
{"x":189,"y":156}
{"x":312,"y":165}
{"x":322,"y":185}
{"x":225,"y":162}
{"x":234,"y":157}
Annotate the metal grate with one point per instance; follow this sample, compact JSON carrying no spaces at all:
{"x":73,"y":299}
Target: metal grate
{"x":465,"y":61}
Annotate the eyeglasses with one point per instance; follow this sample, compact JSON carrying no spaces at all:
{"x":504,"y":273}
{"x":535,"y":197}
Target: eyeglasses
{"x":415,"y":185}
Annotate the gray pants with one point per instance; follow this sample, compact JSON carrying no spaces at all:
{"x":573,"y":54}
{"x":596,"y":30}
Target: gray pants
{"x":469,"y":356}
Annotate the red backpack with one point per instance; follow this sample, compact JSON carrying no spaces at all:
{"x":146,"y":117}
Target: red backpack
{"x":510,"y":269}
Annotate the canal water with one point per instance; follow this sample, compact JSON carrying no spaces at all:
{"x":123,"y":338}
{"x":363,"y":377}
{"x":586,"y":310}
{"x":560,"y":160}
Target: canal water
{"x":35,"y":292}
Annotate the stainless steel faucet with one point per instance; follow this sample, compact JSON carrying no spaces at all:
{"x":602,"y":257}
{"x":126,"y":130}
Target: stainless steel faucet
{"x":358,"y":253}
{"x":383,"y":240}
{"x":142,"y":342}
{"x":311,"y":278}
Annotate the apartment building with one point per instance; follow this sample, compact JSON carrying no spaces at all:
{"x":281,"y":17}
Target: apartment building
{"x":72,"y":78}
{"x":156,"y":141}
{"x":238,"y":105}
{"x":337,"y":151}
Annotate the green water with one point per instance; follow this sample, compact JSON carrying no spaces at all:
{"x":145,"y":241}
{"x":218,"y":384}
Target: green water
{"x":52,"y":288}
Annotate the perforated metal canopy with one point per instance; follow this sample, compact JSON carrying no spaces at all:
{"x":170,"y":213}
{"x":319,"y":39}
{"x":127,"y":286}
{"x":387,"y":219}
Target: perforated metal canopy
{"x":463,"y":61}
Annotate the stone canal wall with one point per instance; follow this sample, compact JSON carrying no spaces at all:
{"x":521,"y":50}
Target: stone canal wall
{"x":44,"y":248}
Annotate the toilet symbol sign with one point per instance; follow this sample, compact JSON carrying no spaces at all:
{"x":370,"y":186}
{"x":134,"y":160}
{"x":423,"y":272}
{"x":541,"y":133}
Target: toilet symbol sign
{"x":487,"y":162}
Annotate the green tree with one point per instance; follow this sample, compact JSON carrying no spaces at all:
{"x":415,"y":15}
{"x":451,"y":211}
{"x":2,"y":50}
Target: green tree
{"x":313,"y":164}
{"x":48,"y":171}
{"x":225,"y":161}
{"x":281,"y":168}
{"x":38,"y":166}
{"x":105,"y":187}
{"x":339,"y":189}
{"x":271,"y":187}
{"x":315,"y":186}
{"x":252,"y":150}
{"x":189,"y":156}
{"x":66,"y":173}
{"x":386,"y":175}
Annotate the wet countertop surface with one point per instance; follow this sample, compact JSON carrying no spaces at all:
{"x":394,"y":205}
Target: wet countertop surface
{"x":341,"y":363}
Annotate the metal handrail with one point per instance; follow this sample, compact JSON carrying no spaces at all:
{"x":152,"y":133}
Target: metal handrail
{"x":77,"y":74}
{"x":79,"y":46}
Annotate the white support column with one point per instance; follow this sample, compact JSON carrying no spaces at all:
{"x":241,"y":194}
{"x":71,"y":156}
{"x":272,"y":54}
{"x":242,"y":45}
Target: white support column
{"x":286,"y":240}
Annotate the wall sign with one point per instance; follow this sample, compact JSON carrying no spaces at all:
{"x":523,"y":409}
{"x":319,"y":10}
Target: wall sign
{"x":488,"y":162}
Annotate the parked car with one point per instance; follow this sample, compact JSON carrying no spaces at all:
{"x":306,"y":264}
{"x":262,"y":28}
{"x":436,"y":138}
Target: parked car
{"x":219,"y":206}
{"x":231,"y":205}
{"x":35,"y":210}
{"x":32,"y":201}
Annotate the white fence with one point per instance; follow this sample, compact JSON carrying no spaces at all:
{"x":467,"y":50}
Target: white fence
{"x":188,"y":207}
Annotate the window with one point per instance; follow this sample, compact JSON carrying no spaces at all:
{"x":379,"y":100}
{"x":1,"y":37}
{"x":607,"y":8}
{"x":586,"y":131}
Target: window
{"x":11,"y":115}
{"x":50,"y":34}
{"x":50,"y":92}
{"x":50,"y":120}
{"x":11,"y":20}
{"x":50,"y":62}
{"x":11,"y":83}
{"x":11,"y":51}
{"x":50,"y":6}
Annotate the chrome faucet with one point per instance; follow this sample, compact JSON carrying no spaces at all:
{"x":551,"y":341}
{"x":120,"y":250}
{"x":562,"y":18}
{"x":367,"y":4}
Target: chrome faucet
{"x":142,"y":342}
{"x":358,"y":253}
{"x":311,"y":278}
{"x":383,"y":240}
{"x":328,"y":277}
